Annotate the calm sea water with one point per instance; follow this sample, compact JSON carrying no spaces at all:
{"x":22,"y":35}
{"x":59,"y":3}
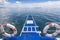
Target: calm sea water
{"x":18,"y":19}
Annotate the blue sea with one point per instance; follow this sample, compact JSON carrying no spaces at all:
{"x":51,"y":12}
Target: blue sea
{"x":41,"y":18}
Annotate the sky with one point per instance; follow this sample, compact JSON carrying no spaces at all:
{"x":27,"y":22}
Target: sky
{"x":19,"y":5}
{"x":32,"y":0}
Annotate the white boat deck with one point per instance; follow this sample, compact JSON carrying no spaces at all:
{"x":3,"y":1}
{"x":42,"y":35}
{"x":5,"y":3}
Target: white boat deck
{"x":58,"y":38}
{"x":0,"y":39}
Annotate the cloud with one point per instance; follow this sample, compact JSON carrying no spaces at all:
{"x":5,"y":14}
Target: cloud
{"x":50,"y":5}
{"x":7,"y":8}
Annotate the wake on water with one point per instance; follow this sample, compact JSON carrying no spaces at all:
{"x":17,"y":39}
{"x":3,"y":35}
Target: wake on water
{"x":42,"y":19}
